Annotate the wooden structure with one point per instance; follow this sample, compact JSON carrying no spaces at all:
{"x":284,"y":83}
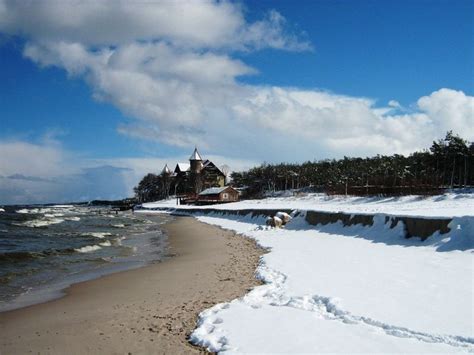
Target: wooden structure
{"x":218,"y":195}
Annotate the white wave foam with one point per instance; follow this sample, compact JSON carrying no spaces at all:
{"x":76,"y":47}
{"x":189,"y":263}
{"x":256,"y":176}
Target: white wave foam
{"x":23,"y":211}
{"x":99,"y":235}
{"x":106,"y":244}
{"x":2,"y":210}
{"x":73,"y":219}
{"x":52,"y":215}
{"x":120,"y":225}
{"x":37,"y":223}
{"x":88,"y":249}
{"x":118,"y":241}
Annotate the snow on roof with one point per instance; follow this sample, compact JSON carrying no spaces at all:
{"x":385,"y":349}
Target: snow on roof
{"x":213,"y":190}
{"x":195,"y":155}
{"x":166,"y":170}
{"x":208,"y":163}
{"x":183,"y":166}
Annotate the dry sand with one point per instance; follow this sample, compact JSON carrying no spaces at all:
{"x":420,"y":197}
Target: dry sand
{"x":150,"y":310}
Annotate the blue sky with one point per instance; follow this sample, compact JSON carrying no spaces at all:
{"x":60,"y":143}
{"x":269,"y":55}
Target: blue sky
{"x":247,"y":82}
{"x":380,"y":49}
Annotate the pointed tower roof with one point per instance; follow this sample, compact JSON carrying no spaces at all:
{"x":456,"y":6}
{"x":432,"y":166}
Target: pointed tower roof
{"x":166,"y":170}
{"x":195,"y":155}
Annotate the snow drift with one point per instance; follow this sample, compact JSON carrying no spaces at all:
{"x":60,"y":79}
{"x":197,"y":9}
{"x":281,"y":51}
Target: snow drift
{"x":373,"y":276}
{"x":366,"y":284}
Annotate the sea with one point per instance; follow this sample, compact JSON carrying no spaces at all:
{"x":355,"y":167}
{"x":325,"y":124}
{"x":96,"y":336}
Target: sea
{"x":45,"y":249}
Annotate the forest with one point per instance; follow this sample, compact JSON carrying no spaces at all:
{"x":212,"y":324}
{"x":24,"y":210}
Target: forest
{"x":448,"y":163}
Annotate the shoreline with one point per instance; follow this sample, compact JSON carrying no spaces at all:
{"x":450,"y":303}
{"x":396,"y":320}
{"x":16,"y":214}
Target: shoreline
{"x":57,"y":289}
{"x":151,"y":309}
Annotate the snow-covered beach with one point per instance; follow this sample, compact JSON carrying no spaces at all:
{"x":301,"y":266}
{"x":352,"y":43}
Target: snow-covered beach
{"x":349,"y":289}
{"x":446,"y":205}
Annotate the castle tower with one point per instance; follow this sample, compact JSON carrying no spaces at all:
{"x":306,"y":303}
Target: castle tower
{"x":166,"y":171}
{"x":195,"y":161}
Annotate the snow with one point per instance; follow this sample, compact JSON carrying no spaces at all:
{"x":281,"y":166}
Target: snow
{"x":183,"y":167}
{"x":349,"y":289}
{"x":213,"y":190}
{"x":166,"y":170}
{"x":328,"y":283}
{"x":446,"y":205}
{"x":195,"y":155}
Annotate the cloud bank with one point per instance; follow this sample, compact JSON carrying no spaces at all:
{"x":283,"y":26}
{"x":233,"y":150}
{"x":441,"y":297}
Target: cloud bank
{"x":45,"y":172}
{"x":172,"y":68}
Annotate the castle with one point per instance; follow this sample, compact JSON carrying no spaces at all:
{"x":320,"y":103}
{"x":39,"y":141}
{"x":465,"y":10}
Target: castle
{"x":195,"y":176}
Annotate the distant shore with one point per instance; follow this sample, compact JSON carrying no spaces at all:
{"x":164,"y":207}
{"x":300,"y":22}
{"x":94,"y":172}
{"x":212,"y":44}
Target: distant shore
{"x":147,"y":310}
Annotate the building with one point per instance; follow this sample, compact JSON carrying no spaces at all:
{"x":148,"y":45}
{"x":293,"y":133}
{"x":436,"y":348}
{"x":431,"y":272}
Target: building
{"x":218,"y":195}
{"x":193,"y":177}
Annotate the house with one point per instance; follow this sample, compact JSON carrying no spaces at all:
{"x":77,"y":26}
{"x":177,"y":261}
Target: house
{"x":218,"y":195}
{"x":212,"y":175}
{"x":193,"y":177}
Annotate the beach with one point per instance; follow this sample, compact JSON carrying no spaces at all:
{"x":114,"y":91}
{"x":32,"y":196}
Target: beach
{"x":152,"y":309}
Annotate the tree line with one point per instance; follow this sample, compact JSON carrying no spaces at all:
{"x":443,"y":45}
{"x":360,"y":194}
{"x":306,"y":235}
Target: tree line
{"x":155,"y":187}
{"x":448,"y":163}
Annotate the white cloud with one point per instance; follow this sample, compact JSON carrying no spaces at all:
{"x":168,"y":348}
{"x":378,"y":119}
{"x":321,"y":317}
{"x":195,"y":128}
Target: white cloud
{"x":176,"y":103}
{"x":394,"y":104}
{"x":20,"y":157}
{"x":185,"y":23}
{"x":46,"y":172}
{"x":450,"y":110}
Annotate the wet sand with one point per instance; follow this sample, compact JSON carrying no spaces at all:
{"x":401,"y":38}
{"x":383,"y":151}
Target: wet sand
{"x":150,"y":310}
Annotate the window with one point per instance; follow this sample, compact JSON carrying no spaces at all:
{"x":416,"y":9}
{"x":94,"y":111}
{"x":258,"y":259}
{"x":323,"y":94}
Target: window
{"x":225,"y":196}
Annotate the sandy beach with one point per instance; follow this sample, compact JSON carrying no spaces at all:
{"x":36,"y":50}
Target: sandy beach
{"x":149,"y":310}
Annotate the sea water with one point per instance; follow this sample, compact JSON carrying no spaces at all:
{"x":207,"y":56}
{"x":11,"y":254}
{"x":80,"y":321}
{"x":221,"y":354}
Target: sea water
{"x":44,"y":249}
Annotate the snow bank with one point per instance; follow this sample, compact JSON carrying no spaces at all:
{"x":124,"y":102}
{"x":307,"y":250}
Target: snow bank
{"x":343,"y":277}
{"x":446,"y":205}
{"x":364,"y":284}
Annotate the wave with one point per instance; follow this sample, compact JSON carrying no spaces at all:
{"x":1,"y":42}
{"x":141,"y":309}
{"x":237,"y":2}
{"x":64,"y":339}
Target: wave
{"x":39,"y":223}
{"x":2,"y":210}
{"x":53,"y":215}
{"x":72,"y":219}
{"x":106,"y":244}
{"x":99,"y":235}
{"x":54,"y":210}
{"x":88,"y":249}
{"x":29,"y":255}
{"x":120,"y":225}
{"x":118,"y":241}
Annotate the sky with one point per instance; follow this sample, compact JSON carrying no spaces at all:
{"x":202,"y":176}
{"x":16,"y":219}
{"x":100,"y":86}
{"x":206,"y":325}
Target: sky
{"x":95,"y":94}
